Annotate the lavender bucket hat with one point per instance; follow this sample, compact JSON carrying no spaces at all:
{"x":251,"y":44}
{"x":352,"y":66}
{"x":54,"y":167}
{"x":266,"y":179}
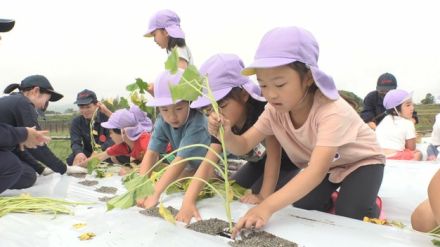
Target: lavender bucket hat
{"x":395,"y":98}
{"x":168,"y":20}
{"x":285,"y":45}
{"x":133,"y":121}
{"x":162,"y":94}
{"x":223,"y":72}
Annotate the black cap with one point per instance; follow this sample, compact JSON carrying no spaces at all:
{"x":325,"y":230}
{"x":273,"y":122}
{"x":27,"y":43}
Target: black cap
{"x":6,"y":25}
{"x":85,"y":97}
{"x":386,"y":81}
{"x":35,"y":81}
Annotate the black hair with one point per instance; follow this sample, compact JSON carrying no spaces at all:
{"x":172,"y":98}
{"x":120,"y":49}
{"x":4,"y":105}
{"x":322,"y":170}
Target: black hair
{"x":302,"y":70}
{"x":173,"y":42}
{"x":117,"y":131}
{"x":393,"y":112}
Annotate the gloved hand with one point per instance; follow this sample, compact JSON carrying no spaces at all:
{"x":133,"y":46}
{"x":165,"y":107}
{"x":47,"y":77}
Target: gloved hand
{"x":75,"y":170}
{"x":47,"y":171}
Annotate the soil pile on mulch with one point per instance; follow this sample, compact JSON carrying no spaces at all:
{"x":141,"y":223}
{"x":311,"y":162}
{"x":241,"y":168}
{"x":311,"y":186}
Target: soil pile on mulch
{"x":155,"y":211}
{"x":105,"y":198}
{"x":212,"y":226}
{"x":88,"y":182}
{"x":77,"y":175}
{"x":107,"y":190}
{"x":261,"y":238}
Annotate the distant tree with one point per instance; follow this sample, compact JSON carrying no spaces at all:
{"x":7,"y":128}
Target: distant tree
{"x":355,"y":101}
{"x":52,"y":112}
{"x":429,"y":99}
{"x":69,"y":110}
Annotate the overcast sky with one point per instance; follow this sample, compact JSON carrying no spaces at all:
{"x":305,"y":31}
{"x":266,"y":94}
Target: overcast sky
{"x":99,"y":44}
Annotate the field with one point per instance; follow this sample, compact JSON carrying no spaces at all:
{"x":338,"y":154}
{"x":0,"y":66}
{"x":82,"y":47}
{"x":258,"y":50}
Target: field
{"x":426,"y":115}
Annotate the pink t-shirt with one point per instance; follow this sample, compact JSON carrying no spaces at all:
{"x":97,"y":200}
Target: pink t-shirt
{"x":331,"y":124}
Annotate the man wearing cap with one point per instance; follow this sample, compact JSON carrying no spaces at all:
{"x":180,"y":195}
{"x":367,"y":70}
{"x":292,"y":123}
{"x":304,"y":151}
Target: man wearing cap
{"x":19,"y":110}
{"x":80,"y":129}
{"x":14,"y":172}
{"x":373,"y":111}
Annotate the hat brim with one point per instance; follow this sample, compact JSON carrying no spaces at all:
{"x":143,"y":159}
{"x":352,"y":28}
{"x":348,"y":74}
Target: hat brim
{"x":157,"y":102}
{"x":385,"y":87}
{"x":204,"y":101}
{"x":264,"y":63}
{"x":6,"y":25}
{"x":55,"y":96}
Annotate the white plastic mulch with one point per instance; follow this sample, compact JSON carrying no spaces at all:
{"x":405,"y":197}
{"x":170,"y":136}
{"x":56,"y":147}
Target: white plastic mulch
{"x":404,"y":186}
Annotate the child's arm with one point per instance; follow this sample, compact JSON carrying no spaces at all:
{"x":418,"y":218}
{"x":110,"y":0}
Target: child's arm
{"x":271,"y":172}
{"x":148,"y":161}
{"x":101,"y":156}
{"x":170,"y":175}
{"x":205,"y":171}
{"x":238,"y":145}
{"x":433,"y":196}
{"x":295,"y":189}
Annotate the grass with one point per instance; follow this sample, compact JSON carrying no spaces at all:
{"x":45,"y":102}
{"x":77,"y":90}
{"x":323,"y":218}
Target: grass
{"x":426,"y":115}
{"x":61,"y":148}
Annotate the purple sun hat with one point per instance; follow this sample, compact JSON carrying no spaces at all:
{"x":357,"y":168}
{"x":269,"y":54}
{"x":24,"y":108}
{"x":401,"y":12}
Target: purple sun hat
{"x":168,"y":20}
{"x":285,"y":45}
{"x":162,"y":94}
{"x":144,"y":124}
{"x":395,"y":98}
{"x":223,"y":72}
{"x":134,"y":122}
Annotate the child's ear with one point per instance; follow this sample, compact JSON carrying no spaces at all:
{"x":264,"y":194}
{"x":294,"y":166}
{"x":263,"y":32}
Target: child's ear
{"x":309,"y":78}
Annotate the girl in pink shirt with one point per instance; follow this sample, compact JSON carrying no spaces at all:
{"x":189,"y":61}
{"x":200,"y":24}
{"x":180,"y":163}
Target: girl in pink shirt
{"x":319,"y":131}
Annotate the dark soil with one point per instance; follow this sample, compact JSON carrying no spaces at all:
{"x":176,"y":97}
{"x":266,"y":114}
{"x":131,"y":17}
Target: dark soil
{"x":88,"y":182}
{"x":261,"y":238}
{"x":249,"y":238}
{"x":155,"y":211}
{"x":77,"y":175}
{"x":105,"y":198}
{"x":212,"y":226}
{"x":107,"y":190}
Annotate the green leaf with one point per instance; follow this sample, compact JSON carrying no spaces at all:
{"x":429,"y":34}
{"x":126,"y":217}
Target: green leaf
{"x":91,"y":165}
{"x":172,"y":62}
{"x":145,"y":190}
{"x":436,"y":242}
{"x":183,"y":91}
{"x":132,"y":87}
{"x":123,"y":103}
{"x":192,"y":74}
{"x":166,"y":214}
{"x":123,"y":201}
{"x":143,"y":86}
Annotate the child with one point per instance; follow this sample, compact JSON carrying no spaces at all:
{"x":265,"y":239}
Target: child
{"x":426,"y":216}
{"x":239,"y":100}
{"x":178,"y":125}
{"x":165,"y":28}
{"x":396,"y":133}
{"x":130,"y":131}
{"x":432,"y":150}
{"x":319,"y":131}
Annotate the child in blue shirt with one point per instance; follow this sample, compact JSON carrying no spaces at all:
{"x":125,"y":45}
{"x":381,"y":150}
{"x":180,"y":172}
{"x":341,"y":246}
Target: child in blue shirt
{"x":178,"y":125}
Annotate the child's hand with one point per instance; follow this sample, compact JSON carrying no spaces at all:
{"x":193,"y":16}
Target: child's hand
{"x":140,"y":202}
{"x":187,"y":212}
{"x":150,"y":202}
{"x":252,"y":198}
{"x":124,"y":171}
{"x":214,"y":123}
{"x":255,"y":218}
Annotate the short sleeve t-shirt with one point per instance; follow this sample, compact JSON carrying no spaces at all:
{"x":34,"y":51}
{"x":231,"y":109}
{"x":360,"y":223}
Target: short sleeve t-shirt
{"x":329,"y":123}
{"x":194,"y":131}
{"x":139,"y":148}
{"x":185,"y":53}
{"x":393,"y":131}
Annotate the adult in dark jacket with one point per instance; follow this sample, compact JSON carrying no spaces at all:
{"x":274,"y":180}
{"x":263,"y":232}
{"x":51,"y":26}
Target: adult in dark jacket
{"x":80,"y":139}
{"x":14,"y":172}
{"x":19,"y":110}
{"x":373,"y":111}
